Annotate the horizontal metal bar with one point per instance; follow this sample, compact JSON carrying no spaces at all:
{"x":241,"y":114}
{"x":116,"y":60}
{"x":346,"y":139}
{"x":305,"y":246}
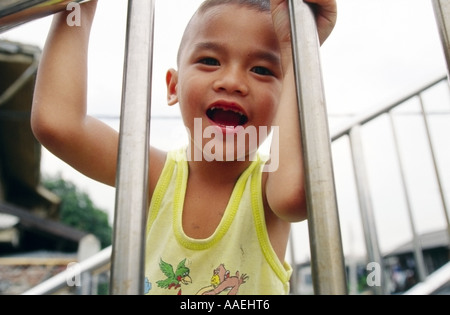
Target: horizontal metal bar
{"x":60,"y":280}
{"x":17,"y":12}
{"x":19,"y":83}
{"x":382,"y":110}
{"x":432,"y":283}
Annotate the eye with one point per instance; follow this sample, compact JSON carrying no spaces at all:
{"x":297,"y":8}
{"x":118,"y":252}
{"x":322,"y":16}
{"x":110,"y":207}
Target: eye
{"x":262,"y":71}
{"x":209,"y":61}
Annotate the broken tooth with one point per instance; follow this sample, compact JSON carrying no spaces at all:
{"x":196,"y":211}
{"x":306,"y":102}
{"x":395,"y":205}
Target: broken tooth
{"x":226,"y":109}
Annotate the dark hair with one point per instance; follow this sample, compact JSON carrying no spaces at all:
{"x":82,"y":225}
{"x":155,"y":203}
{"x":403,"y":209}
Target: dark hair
{"x":259,"y":5}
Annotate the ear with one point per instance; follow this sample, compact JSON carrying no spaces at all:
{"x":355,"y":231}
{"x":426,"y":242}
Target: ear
{"x":172,"y":83}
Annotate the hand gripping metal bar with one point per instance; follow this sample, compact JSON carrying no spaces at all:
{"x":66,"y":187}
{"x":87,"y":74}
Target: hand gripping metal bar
{"x":327,"y":261}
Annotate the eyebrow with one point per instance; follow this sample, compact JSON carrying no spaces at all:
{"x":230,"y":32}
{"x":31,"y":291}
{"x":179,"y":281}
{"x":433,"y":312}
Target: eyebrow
{"x":257,"y":54}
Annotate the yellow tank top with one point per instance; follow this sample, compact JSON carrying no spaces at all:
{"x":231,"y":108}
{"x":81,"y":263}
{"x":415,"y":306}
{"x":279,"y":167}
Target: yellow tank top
{"x":236,"y":259}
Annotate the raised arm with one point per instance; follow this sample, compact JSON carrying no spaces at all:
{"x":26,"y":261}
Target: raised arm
{"x":285,"y":188}
{"x":59,"y":120}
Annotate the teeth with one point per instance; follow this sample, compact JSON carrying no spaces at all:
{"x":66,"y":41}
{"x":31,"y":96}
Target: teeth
{"x":227,"y":109}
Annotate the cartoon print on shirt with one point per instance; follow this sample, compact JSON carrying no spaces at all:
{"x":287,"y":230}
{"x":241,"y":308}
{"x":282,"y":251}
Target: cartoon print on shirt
{"x":147,"y":285}
{"x":222,"y":281}
{"x":174,"y":279}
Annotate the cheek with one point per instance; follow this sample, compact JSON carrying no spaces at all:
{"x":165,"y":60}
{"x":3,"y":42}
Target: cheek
{"x":271,"y":105}
{"x":190,"y":95}
{"x":269,"y":96}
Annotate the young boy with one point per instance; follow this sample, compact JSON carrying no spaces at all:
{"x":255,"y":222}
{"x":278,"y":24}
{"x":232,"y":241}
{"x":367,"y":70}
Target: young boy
{"x":215,"y":225}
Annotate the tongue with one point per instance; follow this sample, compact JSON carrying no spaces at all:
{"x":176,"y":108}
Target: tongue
{"x":226,"y":117}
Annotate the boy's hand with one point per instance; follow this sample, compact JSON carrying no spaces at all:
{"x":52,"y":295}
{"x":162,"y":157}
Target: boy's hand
{"x":326,"y":15}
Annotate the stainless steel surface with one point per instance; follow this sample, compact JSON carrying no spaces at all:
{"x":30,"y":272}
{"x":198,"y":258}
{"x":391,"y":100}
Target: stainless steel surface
{"x":327,"y":259}
{"x":127,"y":276}
{"x":128,"y":263}
{"x":438,"y":280}
{"x":19,"y":83}
{"x":365,"y":206}
{"x":442,"y":14}
{"x":61,"y":279}
{"x":418,"y":254}
{"x":16,"y":12}
{"x":363,"y":188}
{"x":366,"y":117}
{"x":435,"y":166}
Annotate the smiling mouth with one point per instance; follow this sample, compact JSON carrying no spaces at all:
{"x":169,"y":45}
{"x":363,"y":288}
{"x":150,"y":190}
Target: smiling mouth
{"x":226,"y":117}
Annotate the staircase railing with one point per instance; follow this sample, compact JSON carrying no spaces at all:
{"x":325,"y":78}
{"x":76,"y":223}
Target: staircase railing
{"x":127,"y":254}
{"x":374,"y":254}
{"x":353,"y":132}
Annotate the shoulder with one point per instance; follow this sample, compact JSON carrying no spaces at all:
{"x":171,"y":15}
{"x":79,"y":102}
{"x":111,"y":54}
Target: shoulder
{"x":157,"y":159}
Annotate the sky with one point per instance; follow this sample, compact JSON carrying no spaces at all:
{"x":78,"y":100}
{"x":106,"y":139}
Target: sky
{"x":379,"y":51}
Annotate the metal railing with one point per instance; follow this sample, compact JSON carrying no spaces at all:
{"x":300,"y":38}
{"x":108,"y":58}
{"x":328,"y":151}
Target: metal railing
{"x":128,"y":248}
{"x":323,"y":218}
{"x":442,"y":14}
{"x":353,"y":133}
{"x":127,"y":275}
{"x":364,"y":194}
{"x":73,"y":276}
{"x":323,"y":222}
{"x":433,"y":283}
{"x":17,"y":12}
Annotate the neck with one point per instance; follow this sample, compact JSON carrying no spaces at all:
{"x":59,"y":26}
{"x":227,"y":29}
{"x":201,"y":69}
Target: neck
{"x":215,"y":171}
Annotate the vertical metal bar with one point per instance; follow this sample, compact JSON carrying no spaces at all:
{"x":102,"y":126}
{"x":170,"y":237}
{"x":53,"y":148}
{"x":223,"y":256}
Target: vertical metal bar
{"x":365,"y":205}
{"x":327,"y":259}
{"x":418,"y":255}
{"x":127,"y":275}
{"x":442,"y":14}
{"x":352,"y":268}
{"x":436,"y":168}
{"x":294,"y":278}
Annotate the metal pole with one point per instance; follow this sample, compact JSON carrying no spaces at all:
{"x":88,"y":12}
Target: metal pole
{"x":436,"y":169}
{"x":294,"y":278}
{"x":365,"y":205}
{"x":71,"y":274}
{"x":442,"y":14}
{"x":127,"y":276}
{"x":23,"y":79}
{"x":17,"y":12}
{"x":327,"y":259}
{"x":418,"y":255}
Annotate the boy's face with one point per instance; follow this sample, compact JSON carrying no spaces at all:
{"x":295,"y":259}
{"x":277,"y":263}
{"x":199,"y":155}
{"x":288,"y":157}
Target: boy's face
{"x":229,"y":71}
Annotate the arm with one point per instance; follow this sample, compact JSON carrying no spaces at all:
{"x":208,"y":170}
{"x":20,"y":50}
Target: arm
{"x":59,"y":120}
{"x":285,"y":188}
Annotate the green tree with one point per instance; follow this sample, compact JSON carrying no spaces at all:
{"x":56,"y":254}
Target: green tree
{"x":77,"y":209}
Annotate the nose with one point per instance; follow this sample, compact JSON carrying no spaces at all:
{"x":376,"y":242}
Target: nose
{"x":232,"y":80}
